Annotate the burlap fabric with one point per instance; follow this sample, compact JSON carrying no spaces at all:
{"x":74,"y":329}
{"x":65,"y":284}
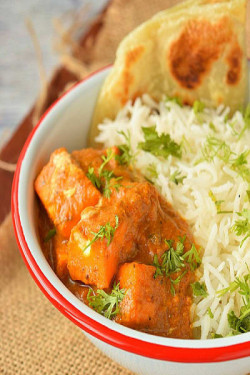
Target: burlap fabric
{"x":35,"y":338}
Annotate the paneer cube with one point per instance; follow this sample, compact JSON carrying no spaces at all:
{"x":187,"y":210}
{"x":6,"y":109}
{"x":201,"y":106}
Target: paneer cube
{"x":149,"y":305}
{"x":65,"y":191}
{"x":144,"y":304}
{"x":98,"y":263}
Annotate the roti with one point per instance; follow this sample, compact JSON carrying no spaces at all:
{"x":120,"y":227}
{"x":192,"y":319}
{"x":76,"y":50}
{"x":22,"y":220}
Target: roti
{"x":194,"y":51}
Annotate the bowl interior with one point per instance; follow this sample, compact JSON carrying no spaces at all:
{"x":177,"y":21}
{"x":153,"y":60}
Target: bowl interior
{"x":66,"y":125}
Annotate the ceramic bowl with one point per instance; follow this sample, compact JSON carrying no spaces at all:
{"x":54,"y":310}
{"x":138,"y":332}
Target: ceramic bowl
{"x":66,"y":124}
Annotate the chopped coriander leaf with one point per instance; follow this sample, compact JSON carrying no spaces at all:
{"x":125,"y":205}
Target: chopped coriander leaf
{"x":106,"y":186}
{"x":199,"y":289}
{"x":152,"y":170}
{"x":125,"y":156}
{"x":216,"y":147}
{"x":242,"y":284}
{"x":242,"y":227}
{"x":192,"y":257}
{"x":105,"y":231}
{"x":239,"y":164}
{"x":241,"y":159}
{"x":51,"y":233}
{"x":159,"y":145}
{"x":176,"y":177}
{"x":106,"y":160}
{"x":173,"y":260}
{"x":198,"y":107}
{"x":218,"y":204}
{"x":241,"y":323}
{"x":209,"y":311}
{"x":212,"y":126}
{"x":103,"y":181}
{"x":96,"y":181}
{"x":176,"y":281}
{"x":176,"y":100}
{"x":216,"y":335}
{"x":104,"y":303}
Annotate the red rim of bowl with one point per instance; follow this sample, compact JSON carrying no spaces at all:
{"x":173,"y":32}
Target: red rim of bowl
{"x":94,"y":328}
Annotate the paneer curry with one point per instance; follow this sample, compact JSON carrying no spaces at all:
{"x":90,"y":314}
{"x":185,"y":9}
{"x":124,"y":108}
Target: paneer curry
{"x":115,"y":242}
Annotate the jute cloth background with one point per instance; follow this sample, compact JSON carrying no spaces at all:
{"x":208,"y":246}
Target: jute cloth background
{"x":35,"y":338}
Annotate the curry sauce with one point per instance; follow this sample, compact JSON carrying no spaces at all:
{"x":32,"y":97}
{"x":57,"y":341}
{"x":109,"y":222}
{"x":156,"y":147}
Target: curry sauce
{"x":113,"y":228}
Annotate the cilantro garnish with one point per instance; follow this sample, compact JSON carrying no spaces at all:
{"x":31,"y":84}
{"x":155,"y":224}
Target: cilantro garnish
{"x":96,"y":181}
{"x":192,"y":257}
{"x":241,"y":323}
{"x":173,"y":260}
{"x":103,"y":181}
{"x":199,"y":289}
{"x":177,"y":178}
{"x":175,"y":99}
{"x":159,"y":145}
{"x":198,"y":108}
{"x":218,"y":204}
{"x":104,"y":303}
{"x":125,"y":156}
{"x":209,"y":312}
{"x":105,"y":231}
{"x":212,"y":126}
{"x":215,"y":147}
{"x":216,"y":335}
{"x":242,"y":227}
{"x":51,"y":233}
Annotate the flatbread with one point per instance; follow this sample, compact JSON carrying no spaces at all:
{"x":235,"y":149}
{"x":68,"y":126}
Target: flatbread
{"x":195,"y":51}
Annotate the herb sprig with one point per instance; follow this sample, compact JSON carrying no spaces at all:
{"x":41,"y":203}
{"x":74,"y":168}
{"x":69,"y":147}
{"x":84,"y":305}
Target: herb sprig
{"x":175,"y":99}
{"x":241,"y":323}
{"x":105,"y":231}
{"x":159,"y":145}
{"x":173,"y":260}
{"x":103,"y":181}
{"x":218,"y":204}
{"x":104,"y":303}
{"x":215,"y":147}
{"x":198,"y":108}
{"x":242,"y":227}
{"x":209,"y":312}
{"x":125,"y":156}
{"x":177,"y":177}
{"x":199,"y":290}
{"x":51,"y":233}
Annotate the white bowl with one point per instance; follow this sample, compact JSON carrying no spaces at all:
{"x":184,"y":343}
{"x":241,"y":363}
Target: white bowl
{"x":66,"y":124}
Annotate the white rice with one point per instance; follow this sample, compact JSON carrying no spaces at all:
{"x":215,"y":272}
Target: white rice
{"x":223,"y":258}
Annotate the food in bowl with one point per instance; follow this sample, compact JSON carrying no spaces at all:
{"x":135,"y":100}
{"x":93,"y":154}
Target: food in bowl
{"x":114,"y":231}
{"x":119,"y":245}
